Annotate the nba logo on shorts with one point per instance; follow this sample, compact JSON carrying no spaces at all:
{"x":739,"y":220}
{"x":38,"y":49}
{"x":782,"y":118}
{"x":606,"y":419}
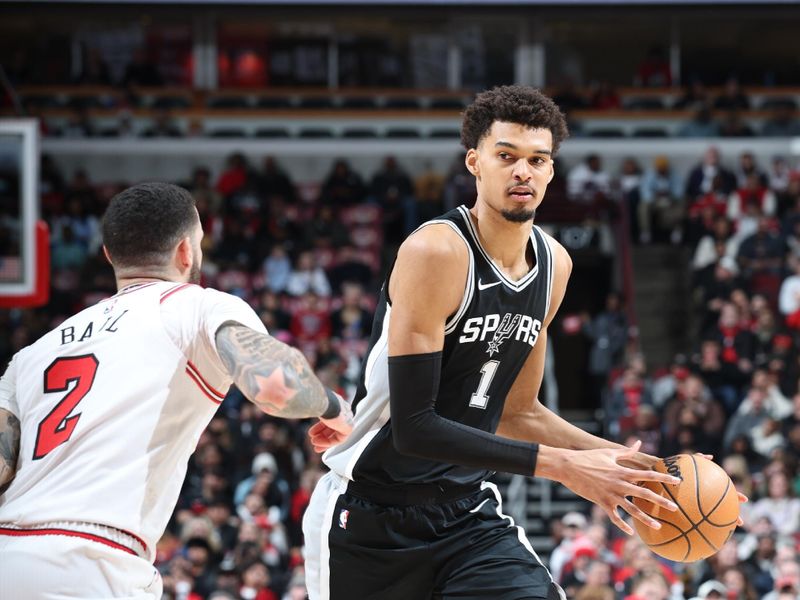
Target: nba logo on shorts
{"x":343,"y":518}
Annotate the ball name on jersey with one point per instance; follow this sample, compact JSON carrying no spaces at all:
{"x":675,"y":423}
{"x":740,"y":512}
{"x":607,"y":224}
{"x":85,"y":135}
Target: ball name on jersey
{"x":74,"y":333}
{"x":523,"y":328}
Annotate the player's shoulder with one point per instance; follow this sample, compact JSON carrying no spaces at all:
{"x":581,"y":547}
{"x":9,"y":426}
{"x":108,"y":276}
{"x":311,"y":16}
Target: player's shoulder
{"x":436,"y":244}
{"x":562,"y":261}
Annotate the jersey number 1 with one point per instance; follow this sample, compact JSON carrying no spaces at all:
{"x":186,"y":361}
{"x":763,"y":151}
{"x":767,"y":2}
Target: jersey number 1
{"x":56,"y":428}
{"x":479,"y":399}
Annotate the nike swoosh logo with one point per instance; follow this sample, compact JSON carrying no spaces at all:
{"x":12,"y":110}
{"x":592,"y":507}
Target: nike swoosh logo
{"x":483,"y":286}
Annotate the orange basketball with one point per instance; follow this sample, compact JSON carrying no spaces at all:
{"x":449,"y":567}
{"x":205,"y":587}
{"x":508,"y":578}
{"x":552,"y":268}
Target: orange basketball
{"x":708,"y":508}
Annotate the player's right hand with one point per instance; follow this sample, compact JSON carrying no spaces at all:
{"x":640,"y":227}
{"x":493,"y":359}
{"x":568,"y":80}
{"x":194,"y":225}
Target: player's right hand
{"x":598,"y":476}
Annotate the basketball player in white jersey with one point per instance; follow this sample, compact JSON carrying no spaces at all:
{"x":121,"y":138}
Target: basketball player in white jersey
{"x":98,"y":418}
{"x":449,"y":394}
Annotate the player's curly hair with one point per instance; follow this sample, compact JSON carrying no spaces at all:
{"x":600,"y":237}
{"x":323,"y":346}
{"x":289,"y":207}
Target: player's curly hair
{"x":143,"y":223}
{"x":512,"y":104}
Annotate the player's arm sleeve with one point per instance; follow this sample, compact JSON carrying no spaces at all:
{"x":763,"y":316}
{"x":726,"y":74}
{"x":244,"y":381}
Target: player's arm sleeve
{"x":9,"y":427}
{"x":418,"y":430}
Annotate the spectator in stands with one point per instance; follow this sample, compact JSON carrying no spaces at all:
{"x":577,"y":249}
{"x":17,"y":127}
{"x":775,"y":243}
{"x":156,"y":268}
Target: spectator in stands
{"x":704,"y":211}
{"x":735,"y":340}
{"x":275,"y":318}
{"x":235,"y":175}
{"x":80,"y":125}
{"x":701,"y":177}
{"x":343,"y":186}
{"x":628,"y":393}
{"x":762,"y":253}
{"x":778,"y":177}
{"x":752,"y":412}
{"x":274,"y":181}
{"x":311,"y":320}
{"x":349,"y":266}
{"x":352,"y":321}
{"x":567,"y":96}
{"x":628,"y":183}
{"x":429,"y":193}
{"x":68,"y":252}
{"x":702,"y":125}
{"x":459,"y":187}
{"x":694,"y":97}
{"x":694,"y":407}
{"x":791,"y":227}
{"x":256,"y":582}
{"x":714,"y":245}
{"x":608,"y":332}
{"x":717,"y":564}
{"x":722,"y":378}
{"x":782,"y":123}
{"x":324,"y":230}
{"x":789,"y":298}
{"x":308,"y":276}
{"x":748,"y":167}
{"x":201,"y":189}
{"x":734,"y":126}
{"x":711,"y":590}
{"x":752,"y":198}
{"x":142,"y":71}
{"x":781,"y":505}
{"x":391,"y":188}
{"x":735,"y":580}
{"x":573,"y":524}
{"x":277,"y":268}
{"x":164,"y":126}
{"x":732,"y":97}
{"x":661,"y":206}
{"x":576,"y":571}
{"x":787,"y":582}
{"x":654,"y":70}
{"x":604,"y":97}
{"x":94,"y":69}
{"x":587,"y":182}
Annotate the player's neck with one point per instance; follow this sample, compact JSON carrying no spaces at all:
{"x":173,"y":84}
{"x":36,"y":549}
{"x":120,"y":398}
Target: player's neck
{"x":505,"y":242}
{"x":124,"y":281}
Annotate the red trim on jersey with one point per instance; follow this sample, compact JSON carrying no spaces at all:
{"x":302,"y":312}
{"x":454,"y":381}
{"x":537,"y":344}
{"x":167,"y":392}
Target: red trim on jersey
{"x":69,"y":533}
{"x":212,"y":394}
{"x":194,"y":368}
{"x":171,"y":291}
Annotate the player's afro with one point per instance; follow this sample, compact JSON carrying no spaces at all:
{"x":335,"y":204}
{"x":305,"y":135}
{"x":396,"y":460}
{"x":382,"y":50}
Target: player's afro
{"x":512,"y":104}
{"x":143,"y":223}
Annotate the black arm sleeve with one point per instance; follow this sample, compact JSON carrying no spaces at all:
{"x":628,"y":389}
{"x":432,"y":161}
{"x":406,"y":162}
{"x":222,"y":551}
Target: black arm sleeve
{"x":417,"y":429}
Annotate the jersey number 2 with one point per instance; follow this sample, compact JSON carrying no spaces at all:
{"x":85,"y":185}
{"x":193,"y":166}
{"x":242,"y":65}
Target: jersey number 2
{"x":479,"y":399}
{"x":56,"y":428}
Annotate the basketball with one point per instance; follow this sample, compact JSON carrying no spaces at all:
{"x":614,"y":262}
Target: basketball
{"x":708,"y":508}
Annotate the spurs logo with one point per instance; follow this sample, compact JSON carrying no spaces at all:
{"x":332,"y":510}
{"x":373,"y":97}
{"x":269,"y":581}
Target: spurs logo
{"x":503,"y":332}
{"x":494,"y":330}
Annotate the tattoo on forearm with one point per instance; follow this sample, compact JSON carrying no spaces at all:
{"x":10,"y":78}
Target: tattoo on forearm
{"x":274,"y":376}
{"x":9,"y":447}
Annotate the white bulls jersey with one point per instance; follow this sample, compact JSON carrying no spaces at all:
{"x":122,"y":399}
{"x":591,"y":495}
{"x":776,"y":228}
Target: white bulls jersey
{"x":112,"y":404}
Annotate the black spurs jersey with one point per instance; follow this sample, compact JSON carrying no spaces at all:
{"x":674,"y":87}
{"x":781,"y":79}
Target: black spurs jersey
{"x":486,"y":343}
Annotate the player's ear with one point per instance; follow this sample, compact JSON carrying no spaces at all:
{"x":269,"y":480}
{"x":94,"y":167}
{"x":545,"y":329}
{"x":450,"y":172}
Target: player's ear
{"x":471,"y":160}
{"x":107,"y":255}
{"x":552,"y":171}
{"x":184,"y":254}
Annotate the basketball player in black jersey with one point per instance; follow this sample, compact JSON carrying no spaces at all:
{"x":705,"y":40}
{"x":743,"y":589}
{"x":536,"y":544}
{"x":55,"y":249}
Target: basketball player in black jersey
{"x":449,"y":394}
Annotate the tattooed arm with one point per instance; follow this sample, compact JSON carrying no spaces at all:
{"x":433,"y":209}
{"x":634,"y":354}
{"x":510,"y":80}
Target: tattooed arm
{"x":277,"y":378}
{"x":9,"y":448}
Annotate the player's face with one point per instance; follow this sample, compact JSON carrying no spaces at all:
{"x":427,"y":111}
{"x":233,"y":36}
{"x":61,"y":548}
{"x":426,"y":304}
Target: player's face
{"x":512,"y":166}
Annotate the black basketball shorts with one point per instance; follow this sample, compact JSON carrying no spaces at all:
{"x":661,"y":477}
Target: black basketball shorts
{"x":362,"y":544}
